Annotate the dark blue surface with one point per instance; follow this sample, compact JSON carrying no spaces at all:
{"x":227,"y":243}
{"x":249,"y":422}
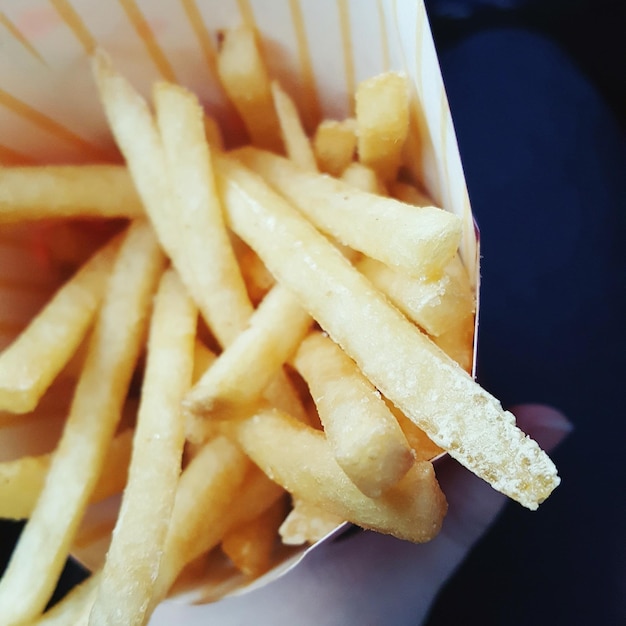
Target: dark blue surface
{"x":545,"y":161}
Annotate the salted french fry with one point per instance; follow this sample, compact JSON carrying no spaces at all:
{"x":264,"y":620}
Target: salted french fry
{"x":199,"y":430}
{"x":419,"y":240}
{"x":162,"y":164}
{"x":256,"y":276}
{"x":74,"y":606}
{"x":364,"y":178}
{"x":188,"y":202}
{"x":206,"y":261}
{"x":408,"y":193}
{"x":413,"y":509}
{"x":53,"y":191}
{"x":96,"y":408}
{"x":22,"y":480}
{"x":402,"y":362}
{"x":243,"y":371}
{"x":458,"y":343}
{"x":219,"y":490}
{"x":442,"y":307}
{"x":366,"y":440}
{"x":307,"y":523}
{"x":297,"y":144}
{"x":423,"y":448}
{"x":334,"y":144}
{"x":250,"y":546}
{"x":382,"y":117}
{"x":213,"y":133}
{"x":436,"y":305}
{"x":30,"y":364}
{"x":133,"y":559}
{"x":243,"y":75}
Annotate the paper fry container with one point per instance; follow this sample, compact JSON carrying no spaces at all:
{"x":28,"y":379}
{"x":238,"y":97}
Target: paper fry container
{"x":319,"y":49}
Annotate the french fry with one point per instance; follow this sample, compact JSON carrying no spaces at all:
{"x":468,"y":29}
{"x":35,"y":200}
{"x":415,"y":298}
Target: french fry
{"x":44,"y":544}
{"x":250,"y":546}
{"x":243,"y":371}
{"x":297,"y":144}
{"x":131,"y":564}
{"x":243,"y":75}
{"x":219,"y":490}
{"x":213,"y":133}
{"x":458,"y":343}
{"x":413,"y":509}
{"x":334,"y":144}
{"x":443,"y":307}
{"x":365,"y":437}
{"x":408,"y":194}
{"x":256,"y":276}
{"x":54,"y":191}
{"x":307,"y":523}
{"x":22,"y":480}
{"x":220,"y":294}
{"x":420,"y":241}
{"x":364,"y":178}
{"x":30,"y":364}
{"x":382,"y":117}
{"x":423,"y":448}
{"x":182,"y":147}
{"x":430,"y":388}
{"x":436,"y":305}
{"x":206,"y":261}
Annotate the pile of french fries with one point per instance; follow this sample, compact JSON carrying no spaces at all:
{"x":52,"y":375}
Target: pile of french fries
{"x":277,"y":338}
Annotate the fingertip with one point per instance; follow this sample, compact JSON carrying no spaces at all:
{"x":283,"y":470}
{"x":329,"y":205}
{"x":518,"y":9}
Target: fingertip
{"x":545,"y":424}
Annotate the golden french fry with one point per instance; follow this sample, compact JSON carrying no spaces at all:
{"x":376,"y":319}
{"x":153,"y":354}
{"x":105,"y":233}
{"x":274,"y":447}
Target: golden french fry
{"x":115,"y":343}
{"x":442,"y":307}
{"x":206,"y":261}
{"x":436,"y":305}
{"x":250,"y":546}
{"x":199,"y":430}
{"x":419,"y":240}
{"x":297,"y":144}
{"x":408,"y":194}
{"x":213,"y":133}
{"x":423,"y":448}
{"x":53,"y":191}
{"x":258,"y":280}
{"x":133,"y":559}
{"x":382,"y":117}
{"x":243,"y":75}
{"x":334,"y":144}
{"x":307,"y":523}
{"x":366,"y":440}
{"x":364,"y":178}
{"x":30,"y":364}
{"x":413,"y":509}
{"x":187,"y":202}
{"x":217,"y":491}
{"x":243,"y":371}
{"x":22,"y":480}
{"x":162,"y":165}
{"x":430,"y":388}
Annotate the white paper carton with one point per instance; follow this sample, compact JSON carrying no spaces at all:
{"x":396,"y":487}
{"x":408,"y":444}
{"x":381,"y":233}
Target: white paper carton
{"x":320,"y":49}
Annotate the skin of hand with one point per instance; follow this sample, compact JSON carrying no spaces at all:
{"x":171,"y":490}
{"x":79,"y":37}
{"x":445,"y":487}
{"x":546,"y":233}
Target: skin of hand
{"x":369,"y":579}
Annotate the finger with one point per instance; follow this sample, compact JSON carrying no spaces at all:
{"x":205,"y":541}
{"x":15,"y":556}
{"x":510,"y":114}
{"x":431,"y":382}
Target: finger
{"x":472,"y":504}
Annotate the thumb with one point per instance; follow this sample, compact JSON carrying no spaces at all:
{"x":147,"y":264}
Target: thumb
{"x":473,"y":504}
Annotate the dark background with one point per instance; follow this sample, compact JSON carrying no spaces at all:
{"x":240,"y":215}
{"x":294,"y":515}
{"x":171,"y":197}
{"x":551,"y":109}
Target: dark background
{"x":541,"y":134}
{"x":538,"y":97}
